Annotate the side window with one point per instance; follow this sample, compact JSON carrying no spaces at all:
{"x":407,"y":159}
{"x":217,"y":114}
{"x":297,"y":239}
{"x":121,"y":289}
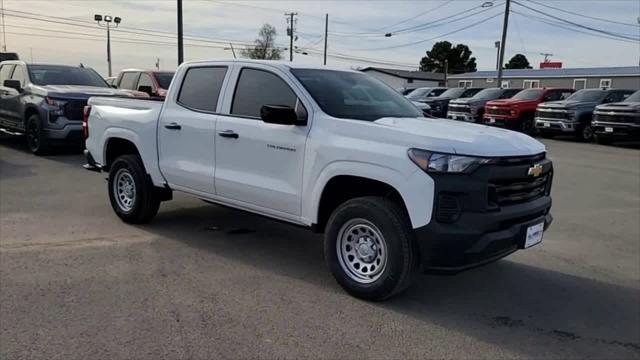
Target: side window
{"x":201,"y":88}
{"x":128,"y":81}
{"x":145,"y":80}
{"x":553,"y":95}
{"x":615,"y":96}
{"x":565,"y":94}
{"x":5,"y":73}
{"x":256,"y":88}
{"x":18,"y":74}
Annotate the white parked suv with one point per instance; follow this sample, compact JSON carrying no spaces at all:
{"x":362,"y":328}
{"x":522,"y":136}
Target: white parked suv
{"x":336,"y":151}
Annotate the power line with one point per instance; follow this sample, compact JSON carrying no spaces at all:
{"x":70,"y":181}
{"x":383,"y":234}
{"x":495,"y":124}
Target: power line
{"x":417,"y":16}
{"x":583,"y":15}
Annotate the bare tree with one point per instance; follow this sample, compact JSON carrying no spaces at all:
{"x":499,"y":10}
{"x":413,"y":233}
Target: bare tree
{"x":264,"y":45}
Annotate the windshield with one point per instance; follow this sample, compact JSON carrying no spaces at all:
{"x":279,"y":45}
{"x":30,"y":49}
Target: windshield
{"x":418,"y":93}
{"x":164,"y":79}
{"x":491,"y":93}
{"x":586,"y":95}
{"x":453,"y":92}
{"x":529,"y":94}
{"x":65,"y":75}
{"x":350,"y":95}
{"x":635,"y":97}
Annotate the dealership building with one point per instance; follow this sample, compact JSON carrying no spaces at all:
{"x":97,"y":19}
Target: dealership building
{"x":625,"y":77}
{"x":406,"y":79}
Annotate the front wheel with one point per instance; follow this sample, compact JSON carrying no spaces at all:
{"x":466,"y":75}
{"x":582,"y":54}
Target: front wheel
{"x":370,"y":249}
{"x":133,"y":196}
{"x":36,"y":139}
{"x":584,"y":132}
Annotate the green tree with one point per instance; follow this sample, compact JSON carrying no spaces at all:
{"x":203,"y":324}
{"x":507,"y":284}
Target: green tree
{"x":518,"y":61}
{"x":264,"y":47}
{"x":458,"y":57}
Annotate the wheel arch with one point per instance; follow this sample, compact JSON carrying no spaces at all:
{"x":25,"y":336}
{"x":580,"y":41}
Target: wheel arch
{"x":115,"y":147}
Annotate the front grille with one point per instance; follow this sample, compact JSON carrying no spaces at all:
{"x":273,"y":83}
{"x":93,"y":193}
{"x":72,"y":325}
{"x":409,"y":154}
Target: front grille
{"x":617,"y":118}
{"x":460,"y":108}
{"x":499,"y":111}
{"x":552,"y":114}
{"x":516,"y":191}
{"x":73,"y":109}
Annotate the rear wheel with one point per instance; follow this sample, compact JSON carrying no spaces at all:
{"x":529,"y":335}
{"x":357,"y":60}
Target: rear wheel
{"x":370,"y":249}
{"x":526,"y":124}
{"x":133,"y":197}
{"x":36,"y":139}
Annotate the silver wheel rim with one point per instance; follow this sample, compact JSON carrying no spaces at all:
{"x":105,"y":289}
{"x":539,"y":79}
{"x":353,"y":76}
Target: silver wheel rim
{"x":362,"y":251}
{"x":124,"y":189}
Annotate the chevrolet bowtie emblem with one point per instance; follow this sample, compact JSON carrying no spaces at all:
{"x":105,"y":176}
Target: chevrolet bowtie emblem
{"x":535,"y":170}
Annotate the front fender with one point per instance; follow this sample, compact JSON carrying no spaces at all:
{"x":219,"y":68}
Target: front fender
{"x":416,"y":189}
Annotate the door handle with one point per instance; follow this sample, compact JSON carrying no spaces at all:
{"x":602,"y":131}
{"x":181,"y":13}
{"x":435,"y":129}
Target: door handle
{"x":228,"y":134}
{"x":173,"y":126}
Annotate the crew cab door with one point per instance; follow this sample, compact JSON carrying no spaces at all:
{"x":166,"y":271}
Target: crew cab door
{"x":186,"y":130}
{"x":10,"y":114}
{"x":258,"y":164}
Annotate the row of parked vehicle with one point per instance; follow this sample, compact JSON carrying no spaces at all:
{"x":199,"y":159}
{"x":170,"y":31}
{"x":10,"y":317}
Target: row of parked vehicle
{"x":589,"y":114}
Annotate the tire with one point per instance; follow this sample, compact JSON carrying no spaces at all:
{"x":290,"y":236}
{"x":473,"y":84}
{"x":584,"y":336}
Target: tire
{"x":36,"y":140}
{"x":133,"y":196}
{"x":602,"y":140}
{"x":527,"y":125}
{"x":387,"y":255}
{"x":584,"y":133}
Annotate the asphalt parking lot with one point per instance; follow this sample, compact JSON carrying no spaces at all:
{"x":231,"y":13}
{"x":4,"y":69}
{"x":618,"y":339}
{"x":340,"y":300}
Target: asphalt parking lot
{"x":203,"y":281}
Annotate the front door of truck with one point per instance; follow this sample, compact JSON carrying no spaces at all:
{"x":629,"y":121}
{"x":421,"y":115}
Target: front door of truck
{"x":186,"y":130}
{"x":259,"y":164}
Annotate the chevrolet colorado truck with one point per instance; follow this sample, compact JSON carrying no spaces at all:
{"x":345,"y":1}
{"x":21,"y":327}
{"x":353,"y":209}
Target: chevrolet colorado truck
{"x":472,"y":109}
{"x":440,"y":104}
{"x":617,"y":121}
{"x":573,"y":115}
{"x":45,"y":102}
{"x":518,"y":112}
{"x":392,"y":191}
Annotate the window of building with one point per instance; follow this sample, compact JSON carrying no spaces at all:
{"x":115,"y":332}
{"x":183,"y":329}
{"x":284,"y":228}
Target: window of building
{"x":579,"y":84}
{"x":531,"y":84}
{"x":201,"y":88}
{"x":505,"y":84}
{"x":605,"y":83}
{"x":256,"y":88}
{"x":465,"y":83}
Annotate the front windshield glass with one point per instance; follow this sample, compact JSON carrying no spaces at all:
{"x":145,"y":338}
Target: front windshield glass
{"x":635,"y":97}
{"x":491,"y":93}
{"x":417,"y":93}
{"x":351,"y":95}
{"x":528,"y":94}
{"x":65,"y":75}
{"x":453,"y":92}
{"x":164,"y":79}
{"x":586,"y":95}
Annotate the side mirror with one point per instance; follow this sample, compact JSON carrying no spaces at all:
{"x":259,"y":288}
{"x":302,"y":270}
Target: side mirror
{"x":279,"y":114}
{"x":146,"y":89}
{"x":13,"y":84}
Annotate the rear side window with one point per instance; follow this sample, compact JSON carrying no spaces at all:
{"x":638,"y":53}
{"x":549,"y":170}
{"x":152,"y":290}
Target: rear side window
{"x":201,"y":88}
{"x":5,"y":73}
{"x":256,"y":88}
{"x":128,"y":81}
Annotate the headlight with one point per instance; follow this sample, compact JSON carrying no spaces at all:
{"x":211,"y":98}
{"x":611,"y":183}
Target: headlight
{"x":58,"y":106}
{"x":445,"y":163}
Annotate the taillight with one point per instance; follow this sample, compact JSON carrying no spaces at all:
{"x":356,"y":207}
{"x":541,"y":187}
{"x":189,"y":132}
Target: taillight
{"x":85,"y":120}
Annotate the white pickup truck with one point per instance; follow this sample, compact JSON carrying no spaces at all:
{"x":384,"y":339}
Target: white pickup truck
{"x":336,"y":151}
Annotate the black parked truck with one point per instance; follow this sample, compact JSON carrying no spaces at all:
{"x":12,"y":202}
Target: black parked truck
{"x":617,"y":121}
{"x":45,"y":102}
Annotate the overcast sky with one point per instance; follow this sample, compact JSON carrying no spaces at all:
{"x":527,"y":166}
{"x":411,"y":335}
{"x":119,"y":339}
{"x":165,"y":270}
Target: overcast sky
{"x":356,"y":29}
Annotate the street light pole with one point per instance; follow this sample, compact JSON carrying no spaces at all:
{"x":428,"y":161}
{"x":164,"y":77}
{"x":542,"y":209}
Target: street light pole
{"x":326,"y":32}
{"x":180,"y":41}
{"x":107,"y":19}
{"x":503,"y":43}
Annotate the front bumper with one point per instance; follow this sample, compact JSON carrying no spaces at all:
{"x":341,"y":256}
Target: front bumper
{"x":464,"y":116}
{"x":555,"y":125}
{"x":616,"y":130}
{"x":71,"y":132}
{"x":508,"y":122}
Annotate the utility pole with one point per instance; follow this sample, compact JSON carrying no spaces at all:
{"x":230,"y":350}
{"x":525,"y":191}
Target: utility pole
{"x":4,"y":32}
{"x":546,"y":57}
{"x":497,"y":44}
{"x":107,"y":19}
{"x":503,"y":43}
{"x":446,"y":71}
{"x":157,"y":63}
{"x":326,"y":32}
{"x":233,"y":51}
{"x":290,"y":31}
{"x":180,"y":42}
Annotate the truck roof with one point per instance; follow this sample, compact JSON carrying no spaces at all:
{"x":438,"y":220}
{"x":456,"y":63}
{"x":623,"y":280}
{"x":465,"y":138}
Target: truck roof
{"x":283,"y":65}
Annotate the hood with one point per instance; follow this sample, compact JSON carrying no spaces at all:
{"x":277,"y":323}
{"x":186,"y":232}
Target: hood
{"x":621,"y":106}
{"x":421,"y":105}
{"x":568,"y":104}
{"x":509,"y":102}
{"x":462,"y":138}
{"x":437,"y":99}
{"x":469,"y":101}
{"x":81,"y":92}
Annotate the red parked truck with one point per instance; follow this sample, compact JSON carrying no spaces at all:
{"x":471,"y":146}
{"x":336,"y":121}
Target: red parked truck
{"x":518,"y":112}
{"x":154,"y":83}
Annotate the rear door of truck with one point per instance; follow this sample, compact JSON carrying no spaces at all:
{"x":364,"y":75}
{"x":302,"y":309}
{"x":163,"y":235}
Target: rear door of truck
{"x":186,"y":128}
